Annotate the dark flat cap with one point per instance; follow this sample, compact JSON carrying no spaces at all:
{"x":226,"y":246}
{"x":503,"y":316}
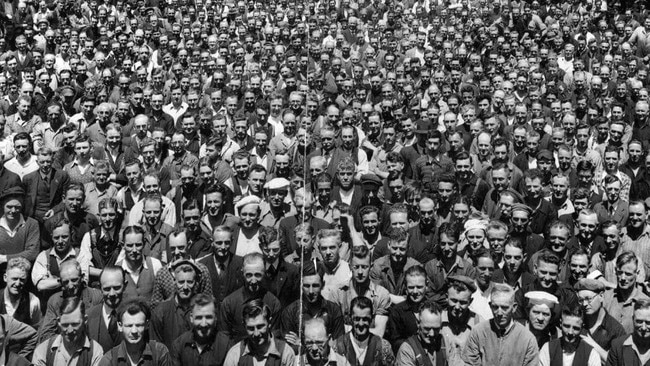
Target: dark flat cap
{"x":590,"y":285}
{"x":371,"y":179}
{"x":545,"y":154}
{"x":464,"y":280}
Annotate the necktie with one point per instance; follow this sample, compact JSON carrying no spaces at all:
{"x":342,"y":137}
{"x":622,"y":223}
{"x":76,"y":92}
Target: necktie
{"x":112,"y":324}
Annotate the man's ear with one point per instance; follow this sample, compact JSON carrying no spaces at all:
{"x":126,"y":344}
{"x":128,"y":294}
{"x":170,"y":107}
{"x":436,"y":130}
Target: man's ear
{"x":534,"y":269}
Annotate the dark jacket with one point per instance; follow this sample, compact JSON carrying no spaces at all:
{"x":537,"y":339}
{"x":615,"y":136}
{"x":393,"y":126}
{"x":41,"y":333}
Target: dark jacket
{"x":58,"y":181}
{"x":97,"y":329}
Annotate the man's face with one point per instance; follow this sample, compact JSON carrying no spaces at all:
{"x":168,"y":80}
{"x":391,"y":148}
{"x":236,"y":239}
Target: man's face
{"x":397,"y":251}
{"x":503,"y":307}
{"x":192,"y":220}
{"x":346,"y":178}
{"x":370,"y":222}
{"x":611,"y":161}
{"x":133,"y":327}
{"x":415,"y":288}
{"x":112,"y":286}
{"x":587,"y":225}
{"x":591,"y":301}
{"x":539,"y":317}
{"x":642,"y":324}
{"x":204,"y":321}
{"x":360,"y":269}
{"x":185,"y":284}
{"x":253,"y":275}
{"x":458,"y":302}
{"x":22,"y":148}
{"x":15,"y":279}
{"x":71,"y":281}
{"x":429,"y":326}
{"x":533,"y":188}
{"x":613,"y":191}
{"x":571,"y":328}
{"x":519,"y":220}
{"x":152,"y":212}
{"x":221,"y":244}
{"x":73,"y":326}
{"x":271,"y":252}
{"x":558,"y":238}
{"x":151,"y":184}
{"x":560,"y":187}
{"x":74,"y":200}
{"x":626,"y":275}
{"x":546,"y":274}
{"x":637,"y":216}
{"x":61,"y":239}
{"x":329,"y":249}
{"x":578,"y":266}
{"x":44,"y":163}
{"x":256,"y":181}
{"x":133,"y":246}
{"x":249,"y":215}
{"x":361,"y":321}
{"x":500,"y":179}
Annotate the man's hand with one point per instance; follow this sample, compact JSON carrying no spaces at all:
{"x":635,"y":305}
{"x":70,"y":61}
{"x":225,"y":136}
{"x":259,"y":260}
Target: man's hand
{"x":48,"y":214}
{"x":292,"y":339}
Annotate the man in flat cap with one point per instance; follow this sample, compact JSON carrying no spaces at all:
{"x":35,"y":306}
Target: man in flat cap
{"x":458,"y":320}
{"x":570,"y":349}
{"x":539,"y":313}
{"x":600,"y":328}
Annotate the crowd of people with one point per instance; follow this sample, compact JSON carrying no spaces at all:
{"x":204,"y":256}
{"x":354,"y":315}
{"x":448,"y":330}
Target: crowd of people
{"x":342,"y":182}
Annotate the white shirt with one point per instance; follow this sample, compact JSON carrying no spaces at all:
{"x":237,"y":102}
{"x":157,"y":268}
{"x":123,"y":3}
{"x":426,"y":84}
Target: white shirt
{"x":22,"y":169}
{"x":175,"y":112}
{"x":246,"y":246}
{"x":567,"y":358}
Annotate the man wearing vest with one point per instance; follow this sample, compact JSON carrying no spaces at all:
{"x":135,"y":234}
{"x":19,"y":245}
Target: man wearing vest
{"x":427,"y":347}
{"x":570,"y":349}
{"x":134,"y":191}
{"x":72,"y":347}
{"x":317,"y":348}
{"x":102,"y":318}
{"x":224,"y":266}
{"x":46,"y":274}
{"x":259,"y":346}
{"x":202,"y":345}
{"x":133,"y":318}
{"x":72,"y":285}
{"x":16,"y":300}
{"x":140,"y":270}
{"x":361,"y":346}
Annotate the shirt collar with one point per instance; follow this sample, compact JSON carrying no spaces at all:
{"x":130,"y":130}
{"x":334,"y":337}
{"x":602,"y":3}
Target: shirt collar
{"x":5,"y":224}
{"x":272,"y":350}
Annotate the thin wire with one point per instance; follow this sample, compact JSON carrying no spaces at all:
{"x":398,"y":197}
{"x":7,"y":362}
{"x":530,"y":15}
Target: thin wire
{"x":302,"y":251}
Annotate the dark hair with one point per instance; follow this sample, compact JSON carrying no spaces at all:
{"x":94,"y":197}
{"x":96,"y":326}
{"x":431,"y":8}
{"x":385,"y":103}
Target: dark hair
{"x":362,"y":303}
{"x":133,"y":307}
{"x":254,"y":308}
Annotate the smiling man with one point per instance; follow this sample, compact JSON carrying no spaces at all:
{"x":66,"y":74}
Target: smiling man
{"x":72,"y":346}
{"x":570,"y":348}
{"x":259,"y":345}
{"x":202,"y":344}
